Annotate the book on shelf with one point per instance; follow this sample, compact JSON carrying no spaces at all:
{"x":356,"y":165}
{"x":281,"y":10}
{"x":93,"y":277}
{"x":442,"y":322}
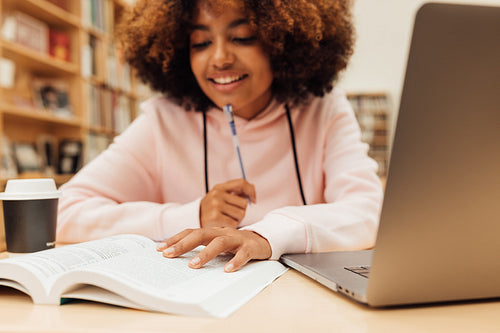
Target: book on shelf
{"x":122,"y":113}
{"x":96,"y":14}
{"x":26,"y":157}
{"x":59,"y":44}
{"x":26,"y":30}
{"x":52,"y":95}
{"x":7,"y":73}
{"x":108,"y":109}
{"x":94,"y":145}
{"x":8,"y":166}
{"x":89,"y":57}
{"x":100,"y":106}
{"x":127,"y":271}
{"x":46,"y":146}
{"x":372,"y":113}
{"x":70,"y":156}
{"x":118,"y":70}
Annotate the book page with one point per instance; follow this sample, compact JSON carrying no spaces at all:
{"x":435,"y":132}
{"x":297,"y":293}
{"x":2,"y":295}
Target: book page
{"x":48,"y":265}
{"x":151,"y":282}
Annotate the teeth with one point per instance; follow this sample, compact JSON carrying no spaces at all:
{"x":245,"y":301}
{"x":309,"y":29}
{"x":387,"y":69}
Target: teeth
{"x":226,"y":80}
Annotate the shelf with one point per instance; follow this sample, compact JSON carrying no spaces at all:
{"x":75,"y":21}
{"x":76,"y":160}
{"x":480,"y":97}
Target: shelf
{"x":38,"y":63}
{"x":45,"y":11}
{"x":101,"y":130}
{"x":58,"y":179}
{"x":21,"y":121}
{"x":34,"y":114}
{"x":95,"y":31}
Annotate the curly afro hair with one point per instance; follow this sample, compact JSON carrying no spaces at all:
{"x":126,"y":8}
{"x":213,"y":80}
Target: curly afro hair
{"x":309,"y":43}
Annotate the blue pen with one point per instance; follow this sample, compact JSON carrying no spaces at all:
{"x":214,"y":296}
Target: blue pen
{"x":228,"y":111}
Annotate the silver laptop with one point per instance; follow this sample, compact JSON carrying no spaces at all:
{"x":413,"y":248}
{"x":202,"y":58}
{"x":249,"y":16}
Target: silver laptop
{"x":439,"y":233}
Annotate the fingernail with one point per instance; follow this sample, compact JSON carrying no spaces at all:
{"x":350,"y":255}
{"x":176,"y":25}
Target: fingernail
{"x":195,"y":261}
{"x":168,"y":251}
{"x":229,"y":268}
{"x":161,"y":246}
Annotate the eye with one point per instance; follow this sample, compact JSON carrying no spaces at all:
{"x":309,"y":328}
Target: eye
{"x":200,"y":45}
{"x":245,"y":40}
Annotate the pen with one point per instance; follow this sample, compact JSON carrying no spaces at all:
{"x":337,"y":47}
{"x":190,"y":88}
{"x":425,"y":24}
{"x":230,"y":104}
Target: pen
{"x":228,"y":112}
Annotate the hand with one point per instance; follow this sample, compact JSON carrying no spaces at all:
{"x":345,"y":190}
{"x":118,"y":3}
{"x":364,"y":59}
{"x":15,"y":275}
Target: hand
{"x":246,"y":245}
{"x":225,"y":205}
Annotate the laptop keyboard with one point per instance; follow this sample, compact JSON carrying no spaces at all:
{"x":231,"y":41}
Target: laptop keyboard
{"x":364,"y":271}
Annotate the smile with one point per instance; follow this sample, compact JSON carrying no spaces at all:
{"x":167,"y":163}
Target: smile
{"x":228,"y":79}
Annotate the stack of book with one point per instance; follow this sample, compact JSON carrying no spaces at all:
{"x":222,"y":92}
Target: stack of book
{"x":37,"y":35}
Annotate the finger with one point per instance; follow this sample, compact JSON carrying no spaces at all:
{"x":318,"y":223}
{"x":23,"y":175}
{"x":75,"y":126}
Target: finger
{"x":235,"y":212}
{"x":229,"y":204}
{"x":217,"y":246}
{"x":241,"y":257}
{"x":235,"y":200}
{"x":217,"y":210}
{"x":210,"y":216}
{"x":239,"y":187}
{"x":172,"y":240}
{"x":191,"y":241}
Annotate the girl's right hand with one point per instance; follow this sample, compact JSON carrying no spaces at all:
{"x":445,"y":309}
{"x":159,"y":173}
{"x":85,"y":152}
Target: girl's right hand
{"x":226,"y":203}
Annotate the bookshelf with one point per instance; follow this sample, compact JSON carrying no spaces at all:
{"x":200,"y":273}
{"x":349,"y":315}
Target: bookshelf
{"x":372,"y":111}
{"x":62,"y":82}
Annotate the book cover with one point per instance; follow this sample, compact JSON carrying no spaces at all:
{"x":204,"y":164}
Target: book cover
{"x":52,"y":95}
{"x":59,"y":45}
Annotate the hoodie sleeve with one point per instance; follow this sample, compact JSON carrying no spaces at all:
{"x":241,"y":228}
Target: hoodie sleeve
{"x":119,"y":192}
{"x":353,"y":194}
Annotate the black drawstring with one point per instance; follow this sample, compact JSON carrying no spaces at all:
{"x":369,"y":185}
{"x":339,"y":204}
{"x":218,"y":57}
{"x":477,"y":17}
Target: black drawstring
{"x":205,"y":149}
{"x":292,"y":136}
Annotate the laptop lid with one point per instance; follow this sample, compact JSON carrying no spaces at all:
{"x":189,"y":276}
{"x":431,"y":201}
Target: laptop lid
{"x":440,"y":221}
{"x":438,"y":238}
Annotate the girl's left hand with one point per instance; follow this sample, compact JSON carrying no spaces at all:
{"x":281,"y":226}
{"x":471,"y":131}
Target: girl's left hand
{"x":244,"y":244}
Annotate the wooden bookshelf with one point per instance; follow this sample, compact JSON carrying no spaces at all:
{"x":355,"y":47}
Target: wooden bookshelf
{"x":99,"y":89}
{"x":373,"y":112}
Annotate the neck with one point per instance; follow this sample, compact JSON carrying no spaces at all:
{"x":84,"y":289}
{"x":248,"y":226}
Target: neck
{"x":252,"y":110}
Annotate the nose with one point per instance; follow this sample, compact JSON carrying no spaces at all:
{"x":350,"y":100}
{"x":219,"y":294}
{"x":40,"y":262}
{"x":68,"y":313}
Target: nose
{"x":223,"y":55}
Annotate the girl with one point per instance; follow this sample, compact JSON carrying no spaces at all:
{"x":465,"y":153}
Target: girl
{"x":174,"y":175}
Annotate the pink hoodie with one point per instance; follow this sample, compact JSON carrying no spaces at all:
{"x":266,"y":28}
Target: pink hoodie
{"x":150,"y":181}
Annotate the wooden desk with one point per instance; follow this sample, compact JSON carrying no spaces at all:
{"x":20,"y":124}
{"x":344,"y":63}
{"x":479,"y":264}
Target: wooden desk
{"x":293,"y":303}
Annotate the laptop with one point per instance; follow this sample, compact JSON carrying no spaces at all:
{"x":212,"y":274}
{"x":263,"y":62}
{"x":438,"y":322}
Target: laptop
{"x":439,"y":232}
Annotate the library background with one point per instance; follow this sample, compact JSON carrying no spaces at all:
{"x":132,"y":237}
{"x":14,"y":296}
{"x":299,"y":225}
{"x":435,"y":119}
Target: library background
{"x":65,"y":91}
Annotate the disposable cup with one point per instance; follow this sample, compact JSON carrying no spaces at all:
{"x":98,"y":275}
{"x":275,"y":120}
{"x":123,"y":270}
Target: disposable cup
{"x":30,"y":214}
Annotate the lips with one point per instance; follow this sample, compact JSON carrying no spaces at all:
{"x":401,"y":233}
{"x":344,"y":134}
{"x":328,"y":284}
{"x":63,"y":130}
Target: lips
{"x":227,"y":79}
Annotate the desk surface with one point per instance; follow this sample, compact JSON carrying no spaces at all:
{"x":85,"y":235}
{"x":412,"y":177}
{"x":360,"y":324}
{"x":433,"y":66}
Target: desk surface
{"x":293,"y":303}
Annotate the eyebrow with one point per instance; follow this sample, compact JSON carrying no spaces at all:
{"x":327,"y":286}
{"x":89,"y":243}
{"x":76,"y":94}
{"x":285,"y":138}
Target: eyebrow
{"x":232,"y":25}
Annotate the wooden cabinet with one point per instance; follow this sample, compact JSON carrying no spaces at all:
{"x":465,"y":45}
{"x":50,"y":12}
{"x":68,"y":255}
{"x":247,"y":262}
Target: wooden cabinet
{"x":61,"y":81}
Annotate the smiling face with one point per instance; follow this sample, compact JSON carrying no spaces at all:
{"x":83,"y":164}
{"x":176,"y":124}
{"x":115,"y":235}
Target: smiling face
{"x":229,"y":62}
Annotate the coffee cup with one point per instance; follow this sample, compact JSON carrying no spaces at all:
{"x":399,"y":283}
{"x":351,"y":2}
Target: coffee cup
{"x":30,"y":214}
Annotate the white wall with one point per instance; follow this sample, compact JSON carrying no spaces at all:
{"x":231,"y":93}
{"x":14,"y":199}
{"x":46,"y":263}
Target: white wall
{"x":383,"y":36}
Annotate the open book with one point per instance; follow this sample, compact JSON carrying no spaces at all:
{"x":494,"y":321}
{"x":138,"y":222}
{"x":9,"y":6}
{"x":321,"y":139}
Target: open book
{"x":127,"y":271}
